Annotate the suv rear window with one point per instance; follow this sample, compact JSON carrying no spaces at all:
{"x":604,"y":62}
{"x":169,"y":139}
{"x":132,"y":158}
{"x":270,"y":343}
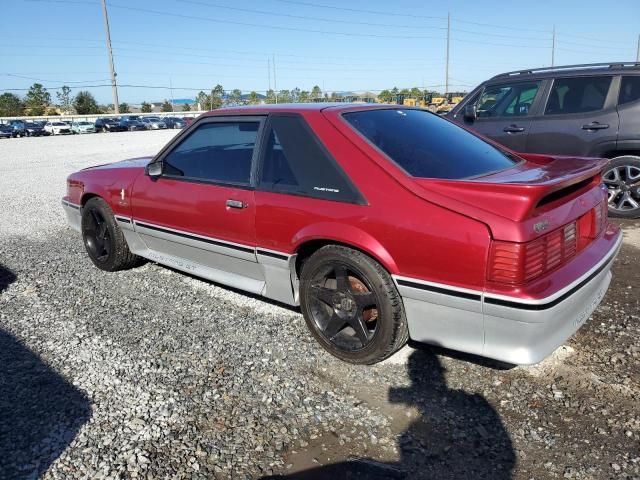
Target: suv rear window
{"x":427,"y":146}
{"x":577,"y":95}
{"x":629,"y":89}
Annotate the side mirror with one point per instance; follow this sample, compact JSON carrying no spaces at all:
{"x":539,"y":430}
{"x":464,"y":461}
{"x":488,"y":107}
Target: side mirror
{"x":154,"y":169}
{"x":469,"y":113}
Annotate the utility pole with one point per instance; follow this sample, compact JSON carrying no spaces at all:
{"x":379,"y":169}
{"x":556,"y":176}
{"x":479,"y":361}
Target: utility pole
{"x":275,"y":85}
{"x":553,"y":47}
{"x":114,"y":85}
{"x":446,"y":74}
{"x":638,"y":50}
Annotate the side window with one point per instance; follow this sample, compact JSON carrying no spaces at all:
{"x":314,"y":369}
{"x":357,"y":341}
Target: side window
{"x":295,"y":162}
{"x":629,"y":89}
{"x":507,"y":100}
{"x":577,"y":95}
{"x":217,"y":152}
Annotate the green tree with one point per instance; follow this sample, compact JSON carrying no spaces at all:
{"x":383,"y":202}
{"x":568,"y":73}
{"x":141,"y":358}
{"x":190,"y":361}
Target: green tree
{"x":295,"y":95}
{"x":85,"y":104}
{"x":235,"y":97}
{"x":271,"y":96}
{"x":303,"y":97}
{"x":284,"y":96}
{"x":166,"y":106}
{"x":10,"y":105}
{"x":316,"y":93}
{"x":416,"y":92}
{"x":145,"y":107}
{"x":253,"y":98}
{"x":384,"y":96}
{"x":186,"y":107}
{"x":215,"y":100}
{"x":124,"y":108}
{"x":37,"y":100}
{"x":202,"y":99}
{"x":64,"y":97}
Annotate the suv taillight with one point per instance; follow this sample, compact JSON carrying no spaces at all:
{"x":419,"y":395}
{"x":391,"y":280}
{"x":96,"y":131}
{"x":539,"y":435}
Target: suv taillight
{"x":518,"y":263}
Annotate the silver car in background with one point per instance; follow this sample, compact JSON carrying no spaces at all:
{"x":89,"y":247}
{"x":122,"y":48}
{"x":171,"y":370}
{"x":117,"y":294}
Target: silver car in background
{"x":153,"y":123}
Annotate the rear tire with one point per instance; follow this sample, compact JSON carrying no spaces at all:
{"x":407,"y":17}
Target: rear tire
{"x":352,"y":306}
{"x":622,"y":178}
{"x":103,"y":239}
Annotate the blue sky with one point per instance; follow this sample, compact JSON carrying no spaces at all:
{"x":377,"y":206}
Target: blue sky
{"x":338,"y":45}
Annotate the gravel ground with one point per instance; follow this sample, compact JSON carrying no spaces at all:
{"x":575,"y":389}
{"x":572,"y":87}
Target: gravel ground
{"x":150,"y":373}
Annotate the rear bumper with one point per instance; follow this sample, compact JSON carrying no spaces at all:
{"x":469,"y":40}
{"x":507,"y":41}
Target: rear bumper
{"x":510,"y":329}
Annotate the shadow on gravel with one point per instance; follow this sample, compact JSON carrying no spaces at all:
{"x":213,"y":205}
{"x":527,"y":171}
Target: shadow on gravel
{"x":40,"y":412}
{"x":457,"y":435}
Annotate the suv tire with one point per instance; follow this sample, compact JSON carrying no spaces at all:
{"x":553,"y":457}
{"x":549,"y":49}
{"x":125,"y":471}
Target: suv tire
{"x":622,"y":178}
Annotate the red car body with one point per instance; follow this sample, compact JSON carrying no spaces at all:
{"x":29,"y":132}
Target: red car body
{"x":444,"y":241}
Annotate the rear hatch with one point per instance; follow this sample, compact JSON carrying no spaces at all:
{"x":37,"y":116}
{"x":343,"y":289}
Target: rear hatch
{"x":541,"y":212}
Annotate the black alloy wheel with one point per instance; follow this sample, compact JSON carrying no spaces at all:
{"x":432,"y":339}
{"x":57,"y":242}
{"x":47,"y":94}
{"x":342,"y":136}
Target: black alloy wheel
{"x":343,"y":306}
{"x":351,"y":305}
{"x":103,"y":238}
{"x":97,"y":238}
{"x":622,"y":179}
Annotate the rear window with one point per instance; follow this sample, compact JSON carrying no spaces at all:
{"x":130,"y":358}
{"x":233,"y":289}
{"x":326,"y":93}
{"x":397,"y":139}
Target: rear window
{"x":427,"y":146}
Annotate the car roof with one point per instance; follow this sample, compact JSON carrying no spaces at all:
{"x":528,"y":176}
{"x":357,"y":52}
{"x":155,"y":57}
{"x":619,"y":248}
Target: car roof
{"x":610,"y":68}
{"x":297,"y":108}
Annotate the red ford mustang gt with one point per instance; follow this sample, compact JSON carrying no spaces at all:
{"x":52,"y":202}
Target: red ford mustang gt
{"x":382,"y":222}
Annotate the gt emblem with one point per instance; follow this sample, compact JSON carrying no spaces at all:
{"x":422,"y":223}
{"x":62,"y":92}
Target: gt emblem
{"x":541,"y":226}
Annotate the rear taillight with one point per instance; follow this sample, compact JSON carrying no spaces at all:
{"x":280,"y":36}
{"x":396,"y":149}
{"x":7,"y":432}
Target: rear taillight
{"x":518,"y":263}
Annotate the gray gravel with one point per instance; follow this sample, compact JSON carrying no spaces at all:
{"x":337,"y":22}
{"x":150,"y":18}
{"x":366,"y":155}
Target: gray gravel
{"x":150,"y":373}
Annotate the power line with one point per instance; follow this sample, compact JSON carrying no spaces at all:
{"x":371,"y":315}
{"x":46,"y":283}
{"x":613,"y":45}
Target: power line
{"x":308,"y":17}
{"x":360,"y":10}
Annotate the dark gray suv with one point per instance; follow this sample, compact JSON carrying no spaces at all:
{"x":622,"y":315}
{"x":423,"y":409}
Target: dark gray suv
{"x":581,"y":110}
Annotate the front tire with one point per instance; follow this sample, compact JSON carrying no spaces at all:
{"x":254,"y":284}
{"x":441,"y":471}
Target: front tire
{"x":622,"y":179}
{"x":351,"y":305}
{"x":103,"y":239}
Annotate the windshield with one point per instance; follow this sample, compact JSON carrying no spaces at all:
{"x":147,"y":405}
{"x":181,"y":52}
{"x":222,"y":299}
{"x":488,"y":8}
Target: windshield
{"x":427,"y":146}
{"x":59,"y":124}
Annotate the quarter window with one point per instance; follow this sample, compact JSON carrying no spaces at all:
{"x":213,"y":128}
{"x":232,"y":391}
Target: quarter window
{"x":217,"y":152}
{"x":507,"y":100}
{"x":577,"y":95}
{"x":295,"y":162}
{"x":629,"y":89}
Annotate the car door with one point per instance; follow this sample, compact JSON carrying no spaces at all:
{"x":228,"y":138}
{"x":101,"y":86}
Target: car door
{"x":503,"y":112}
{"x":198,"y":215}
{"x":579,"y":117}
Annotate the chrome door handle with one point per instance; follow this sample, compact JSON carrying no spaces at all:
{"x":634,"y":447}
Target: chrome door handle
{"x":513,"y":129}
{"x":235,"y":203}
{"x":595,"y":126}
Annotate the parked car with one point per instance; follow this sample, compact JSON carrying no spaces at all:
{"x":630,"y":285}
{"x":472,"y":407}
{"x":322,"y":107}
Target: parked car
{"x":383,"y":223}
{"x":109,"y":125}
{"x":153,"y":123}
{"x":19,"y":128}
{"x":83,"y":127}
{"x":585,"y":110}
{"x":34,"y":129}
{"x":131,"y":123}
{"x":174,"y":122}
{"x":6,"y":131}
{"x":57,"y":128}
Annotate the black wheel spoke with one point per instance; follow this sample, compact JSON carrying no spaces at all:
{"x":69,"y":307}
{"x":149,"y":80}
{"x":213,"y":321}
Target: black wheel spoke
{"x":334,"y":326}
{"x":365,"y":300}
{"x":96,"y":219}
{"x":358,"y":324}
{"x":323,"y":294}
{"x":342,"y":280}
